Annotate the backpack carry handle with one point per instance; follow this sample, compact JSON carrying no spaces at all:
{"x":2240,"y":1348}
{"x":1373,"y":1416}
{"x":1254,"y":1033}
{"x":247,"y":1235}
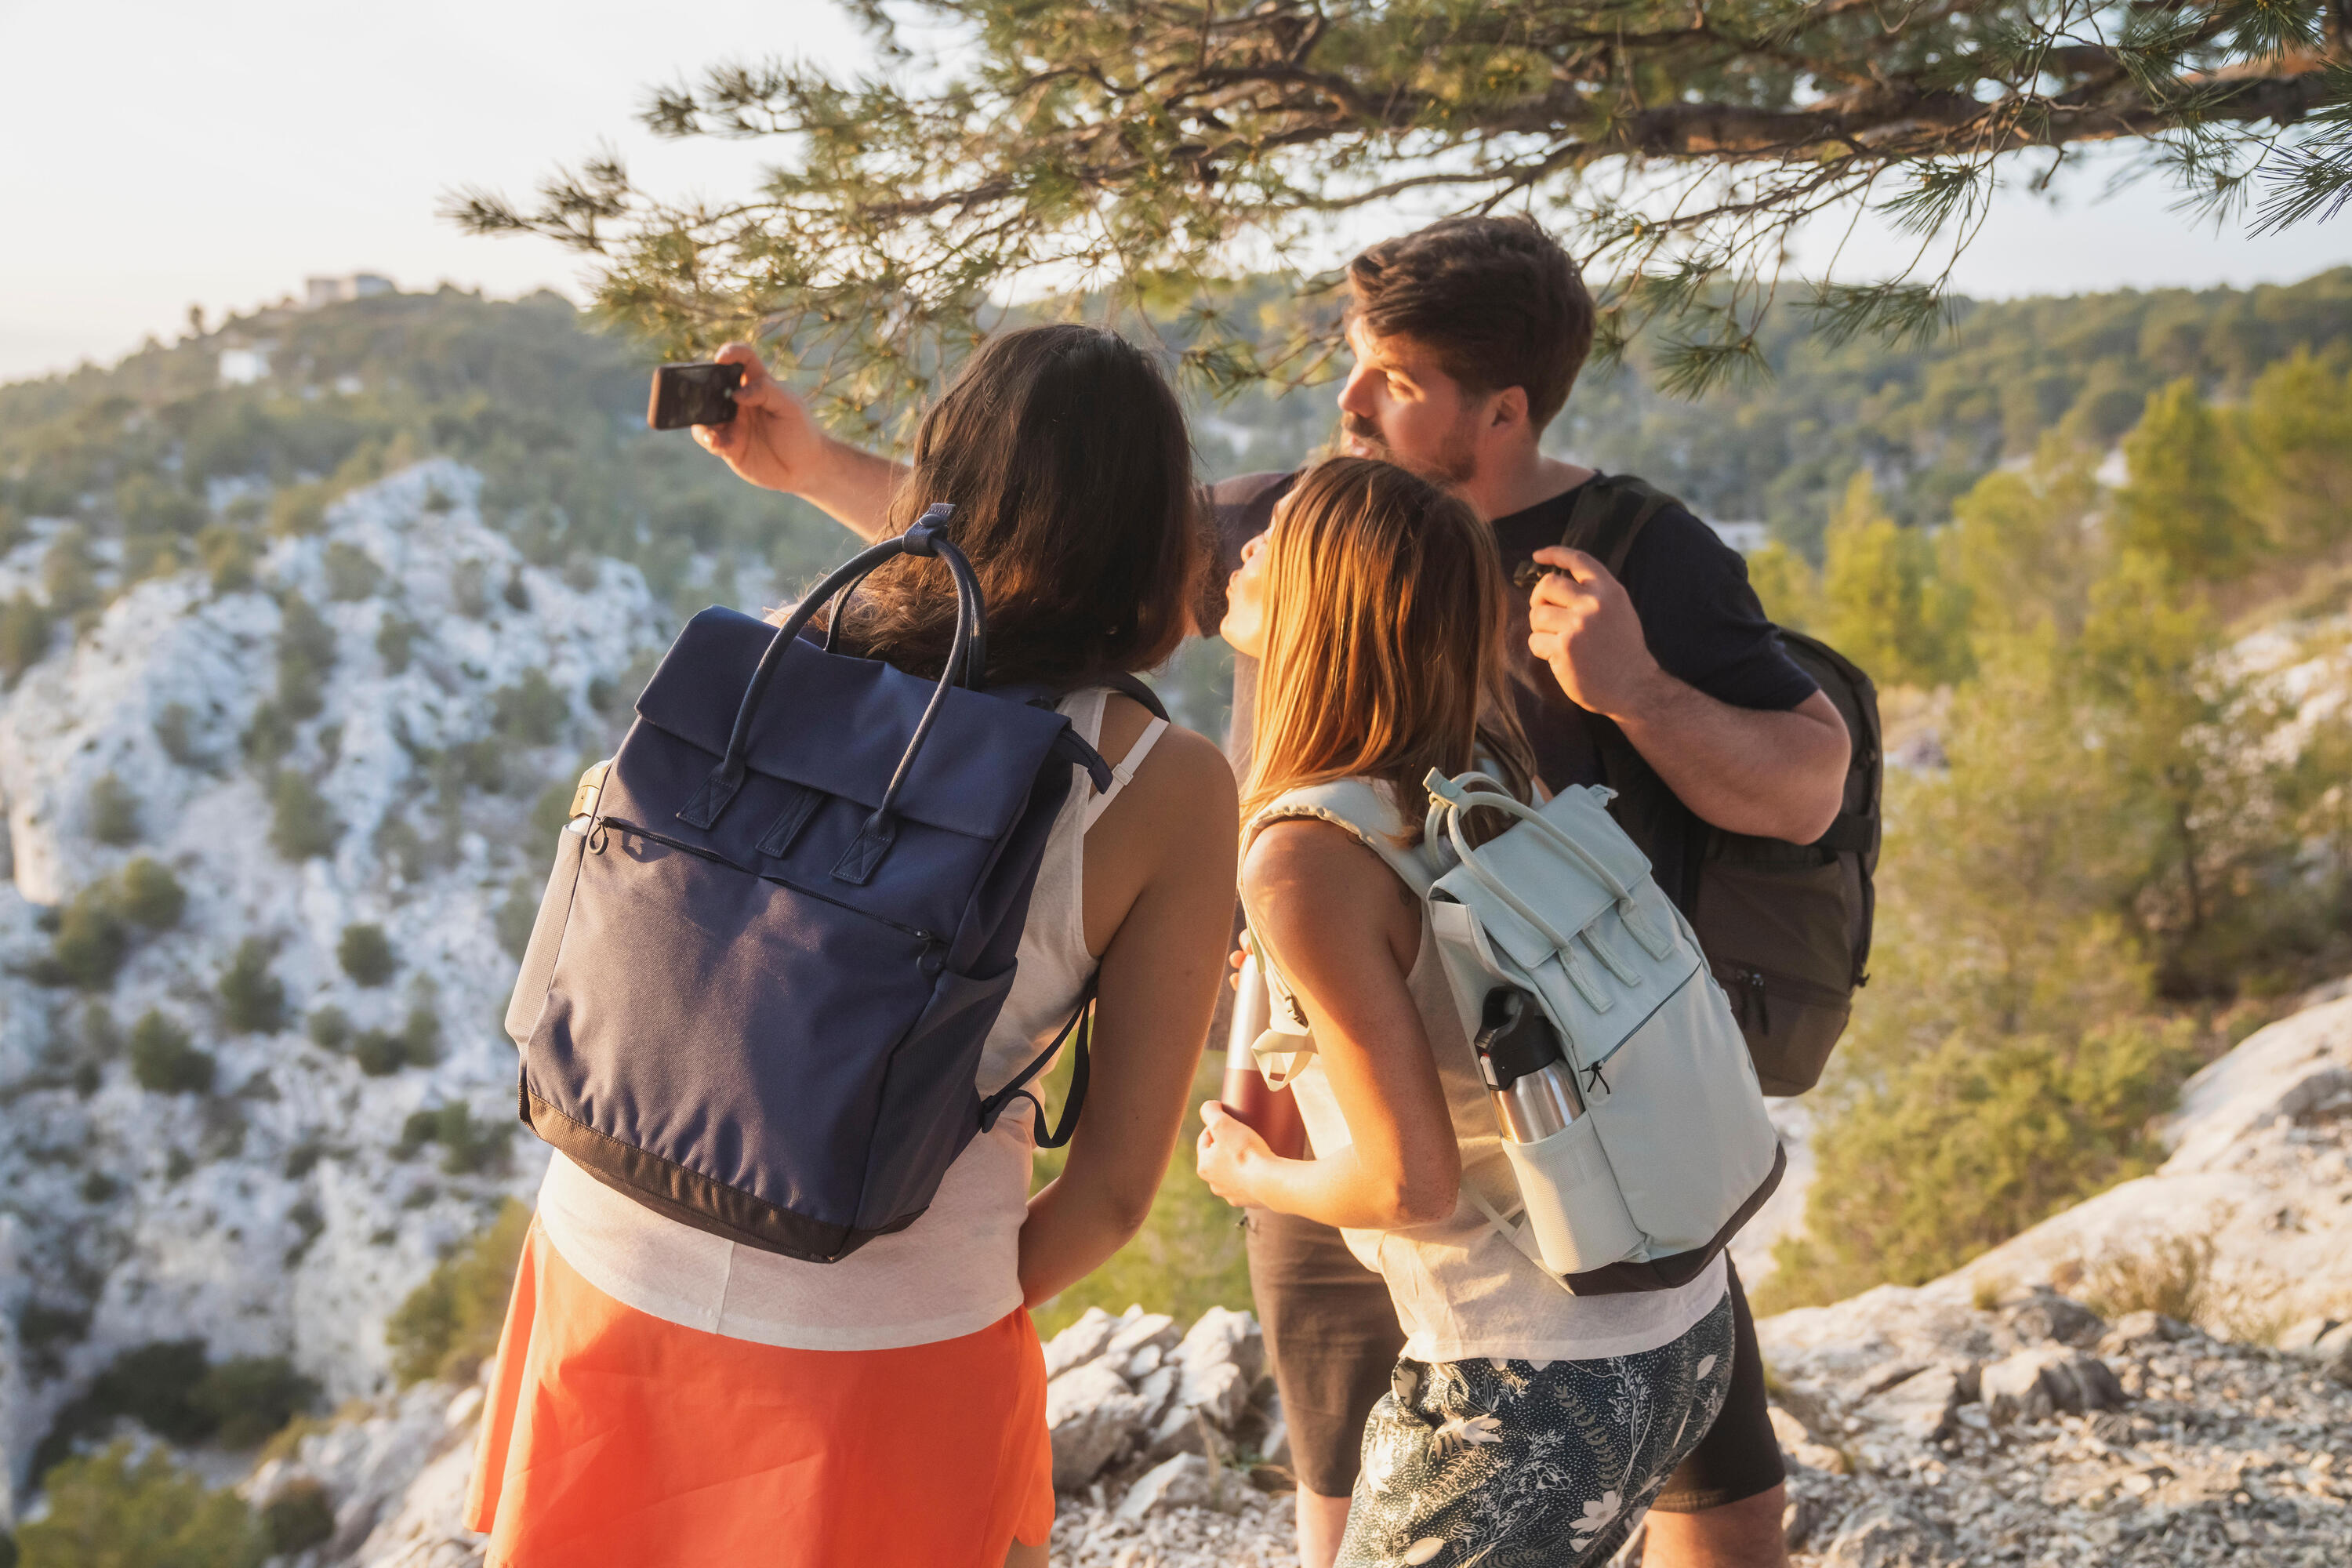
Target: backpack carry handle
{"x":926,"y":537}
{"x":1442,"y":788}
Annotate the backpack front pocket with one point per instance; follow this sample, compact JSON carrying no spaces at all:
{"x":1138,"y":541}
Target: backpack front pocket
{"x":678,"y":1025}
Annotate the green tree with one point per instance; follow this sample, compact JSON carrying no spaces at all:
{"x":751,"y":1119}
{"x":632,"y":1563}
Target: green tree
{"x":91,"y":940}
{"x":148,"y":895}
{"x":113,"y":812}
{"x":531,"y":712}
{"x":1147,"y":146}
{"x":24,"y":634}
{"x":301,"y":824}
{"x":2179,"y":506}
{"x":352,"y":573}
{"x":253,"y":1000}
{"x":449,"y":1325}
{"x":1788,"y":586}
{"x":365,"y":953}
{"x":228,"y":555}
{"x":1878,"y":606}
{"x":110,"y":1511}
{"x":2295,"y":431}
{"x":2019,"y":554}
{"x":165,"y":1060}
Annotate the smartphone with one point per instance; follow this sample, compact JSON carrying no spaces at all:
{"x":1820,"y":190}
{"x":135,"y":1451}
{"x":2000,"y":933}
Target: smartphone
{"x":701,"y":393}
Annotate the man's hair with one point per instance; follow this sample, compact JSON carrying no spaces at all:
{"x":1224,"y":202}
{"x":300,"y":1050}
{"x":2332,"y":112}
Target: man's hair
{"x":1495,"y":299}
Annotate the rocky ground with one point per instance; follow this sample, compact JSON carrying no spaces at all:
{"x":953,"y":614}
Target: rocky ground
{"x":1986,"y":1419}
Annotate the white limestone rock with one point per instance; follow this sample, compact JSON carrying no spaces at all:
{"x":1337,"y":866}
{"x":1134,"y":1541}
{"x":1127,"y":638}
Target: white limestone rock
{"x":1183,"y":1481}
{"x":1093,"y":1415}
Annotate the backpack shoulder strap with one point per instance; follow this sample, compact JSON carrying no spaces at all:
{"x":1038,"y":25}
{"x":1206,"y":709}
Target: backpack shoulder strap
{"x":1608,"y":515}
{"x":1359,"y":808}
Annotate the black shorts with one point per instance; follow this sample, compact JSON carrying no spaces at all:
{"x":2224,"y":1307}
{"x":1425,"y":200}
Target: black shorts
{"x":1332,"y":1336}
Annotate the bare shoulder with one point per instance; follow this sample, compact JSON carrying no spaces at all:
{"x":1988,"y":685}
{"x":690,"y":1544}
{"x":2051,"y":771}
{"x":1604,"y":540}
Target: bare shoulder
{"x":1307,"y":850}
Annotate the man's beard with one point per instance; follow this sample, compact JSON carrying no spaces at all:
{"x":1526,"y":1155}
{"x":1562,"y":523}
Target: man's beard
{"x":1454,"y":463}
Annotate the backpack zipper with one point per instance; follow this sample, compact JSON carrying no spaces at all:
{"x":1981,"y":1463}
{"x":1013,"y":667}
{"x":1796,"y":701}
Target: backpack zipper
{"x":931,"y":940}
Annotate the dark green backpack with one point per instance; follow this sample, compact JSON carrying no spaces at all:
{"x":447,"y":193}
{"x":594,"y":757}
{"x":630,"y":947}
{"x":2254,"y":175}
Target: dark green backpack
{"x":1785,"y":927}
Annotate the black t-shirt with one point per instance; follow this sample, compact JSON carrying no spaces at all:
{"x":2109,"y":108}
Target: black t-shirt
{"x":1703,"y":622}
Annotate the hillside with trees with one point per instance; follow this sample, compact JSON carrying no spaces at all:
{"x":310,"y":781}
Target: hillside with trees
{"x":298,"y":670}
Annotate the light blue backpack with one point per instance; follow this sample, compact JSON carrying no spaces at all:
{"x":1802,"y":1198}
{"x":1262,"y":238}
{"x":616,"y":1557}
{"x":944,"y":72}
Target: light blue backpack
{"x":1672,"y":1151}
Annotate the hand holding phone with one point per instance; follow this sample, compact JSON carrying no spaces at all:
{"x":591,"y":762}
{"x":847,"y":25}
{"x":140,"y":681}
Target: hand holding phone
{"x":700,"y":393}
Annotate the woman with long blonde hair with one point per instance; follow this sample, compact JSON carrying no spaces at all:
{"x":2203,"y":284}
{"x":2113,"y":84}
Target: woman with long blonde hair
{"x":1524,"y":1425}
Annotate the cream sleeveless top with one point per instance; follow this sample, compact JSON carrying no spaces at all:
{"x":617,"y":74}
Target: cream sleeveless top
{"x":1462,"y":1290}
{"x":953,"y":1271}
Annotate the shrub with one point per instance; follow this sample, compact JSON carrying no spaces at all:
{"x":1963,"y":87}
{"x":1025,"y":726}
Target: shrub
{"x":365,"y":953}
{"x":299,"y":1518}
{"x":449,"y":1325}
{"x":416,"y":1043}
{"x":531,"y":712}
{"x":352,"y":573}
{"x":517,"y":594}
{"x":248,"y":1398}
{"x":301,"y":824}
{"x":148,"y":895}
{"x":299,"y":509}
{"x":253,"y":1000}
{"x":91,"y":940}
{"x":113,"y":812}
{"x":331,"y":1028}
{"x":172,"y":731}
{"x":468,"y":1147}
{"x":302,"y":631}
{"x":305,"y":651}
{"x":469,"y":589}
{"x":270,"y":735}
{"x":25,"y":625}
{"x":65,"y":574}
{"x":393,"y":636}
{"x":517,"y":913}
{"x":228,"y":555}
{"x":107,"y":1511}
{"x":163,"y":1059}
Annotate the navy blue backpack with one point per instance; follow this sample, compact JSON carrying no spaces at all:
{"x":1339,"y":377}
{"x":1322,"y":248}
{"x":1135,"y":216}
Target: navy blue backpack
{"x":759,"y":984}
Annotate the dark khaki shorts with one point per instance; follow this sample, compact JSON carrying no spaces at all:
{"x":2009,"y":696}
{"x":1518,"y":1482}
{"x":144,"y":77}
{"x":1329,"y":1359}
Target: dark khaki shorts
{"x":1332,"y":1336}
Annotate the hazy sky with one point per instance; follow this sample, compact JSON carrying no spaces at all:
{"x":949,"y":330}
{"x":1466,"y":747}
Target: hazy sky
{"x":154,"y":155}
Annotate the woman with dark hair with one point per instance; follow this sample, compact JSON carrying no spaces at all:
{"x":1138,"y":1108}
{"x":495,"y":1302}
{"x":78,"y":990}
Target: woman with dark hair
{"x":664,"y":1396}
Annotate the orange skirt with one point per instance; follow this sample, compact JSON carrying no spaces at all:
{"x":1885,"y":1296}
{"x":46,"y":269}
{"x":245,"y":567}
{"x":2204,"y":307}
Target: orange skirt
{"x":614,"y":1437}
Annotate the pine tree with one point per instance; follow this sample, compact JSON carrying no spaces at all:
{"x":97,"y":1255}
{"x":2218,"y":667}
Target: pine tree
{"x":2179,"y":506}
{"x":2295,"y":432}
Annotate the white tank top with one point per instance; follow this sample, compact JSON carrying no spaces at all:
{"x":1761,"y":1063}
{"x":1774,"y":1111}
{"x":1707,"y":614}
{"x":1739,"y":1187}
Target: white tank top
{"x":953,"y":1271}
{"x":1462,"y":1290}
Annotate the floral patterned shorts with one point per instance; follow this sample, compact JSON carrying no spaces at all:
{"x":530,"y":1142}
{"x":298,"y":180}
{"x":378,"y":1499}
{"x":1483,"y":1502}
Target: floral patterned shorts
{"x":1520,"y":1464}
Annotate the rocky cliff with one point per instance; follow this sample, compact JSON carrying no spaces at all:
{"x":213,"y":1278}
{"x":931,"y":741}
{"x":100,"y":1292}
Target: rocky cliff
{"x":230,"y":1116}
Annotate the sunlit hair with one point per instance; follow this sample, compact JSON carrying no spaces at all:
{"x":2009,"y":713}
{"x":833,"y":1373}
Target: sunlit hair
{"x":1384,"y":624}
{"x":1065,"y":454}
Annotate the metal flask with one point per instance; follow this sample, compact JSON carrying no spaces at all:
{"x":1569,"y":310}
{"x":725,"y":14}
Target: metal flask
{"x":1528,"y":1077}
{"x":1273,"y":1112}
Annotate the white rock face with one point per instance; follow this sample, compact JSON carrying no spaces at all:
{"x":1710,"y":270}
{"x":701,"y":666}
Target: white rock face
{"x":272,"y":1215}
{"x":2261,"y":1169}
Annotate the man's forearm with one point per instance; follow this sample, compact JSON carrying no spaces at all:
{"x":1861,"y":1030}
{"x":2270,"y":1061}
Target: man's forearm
{"x":854,"y":487}
{"x":1745,"y":770}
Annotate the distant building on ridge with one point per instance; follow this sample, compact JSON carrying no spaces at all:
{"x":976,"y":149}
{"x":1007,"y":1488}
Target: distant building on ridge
{"x":318,"y":292}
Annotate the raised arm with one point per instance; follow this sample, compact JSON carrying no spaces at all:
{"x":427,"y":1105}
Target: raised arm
{"x":774,"y":443}
{"x":1158,"y":909}
{"x":1345,"y":933}
{"x":1780,"y":774}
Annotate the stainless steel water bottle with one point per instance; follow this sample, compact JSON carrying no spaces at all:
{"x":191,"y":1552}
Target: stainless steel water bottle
{"x":1528,"y":1077}
{"x":1273,"y":1112}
